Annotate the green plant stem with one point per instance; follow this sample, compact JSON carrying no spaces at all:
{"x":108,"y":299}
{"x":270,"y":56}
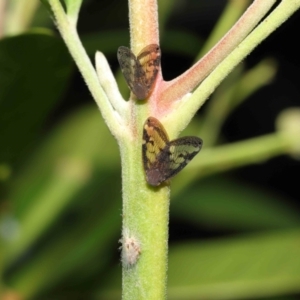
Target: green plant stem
{"x":174,"y":90}
{"x":68,"y":32}
{"x":188,"y":108}
{"x":227,"y":157}
{"x":145,"y":209}
{"x":243,"y":153}
{"x":226,"y":99}
{"x":233,"y":10}
{"x":145,"y":217}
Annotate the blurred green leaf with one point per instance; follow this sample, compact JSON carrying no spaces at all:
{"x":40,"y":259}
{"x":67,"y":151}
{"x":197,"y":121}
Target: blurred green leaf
{"x":34,"y":72}
{"x":42,"y":18}
{"x":222,"y":203}
{"x":47,"y":5}
{"x":82,"y":247}
{"x":61,"y":169}
{"x":244,"y":267}
{"x":237,"y":268}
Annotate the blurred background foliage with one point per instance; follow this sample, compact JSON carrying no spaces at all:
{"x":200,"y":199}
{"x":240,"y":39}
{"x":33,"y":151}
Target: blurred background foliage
{"x":233,"y":235}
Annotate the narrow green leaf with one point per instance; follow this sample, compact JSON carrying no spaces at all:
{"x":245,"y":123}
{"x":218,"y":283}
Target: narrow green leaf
{"x":73,"y":7}
{"x":238,"y":268}
{"x":60,"y":171}
{"x":244,"y":267}
{"x":222,"y":203}
{"x":81,"y":248}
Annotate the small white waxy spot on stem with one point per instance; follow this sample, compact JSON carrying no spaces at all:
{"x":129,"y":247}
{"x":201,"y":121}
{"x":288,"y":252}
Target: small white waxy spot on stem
{"x":131,"y":249}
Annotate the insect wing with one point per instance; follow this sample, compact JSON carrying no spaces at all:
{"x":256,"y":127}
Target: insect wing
{"x":178,"y":154}
{"x":155,"y":140}
{"x":140,"y":73}
{"x":162,"y":158}
{"x":129,"y":65}
{"x":149,"y":60}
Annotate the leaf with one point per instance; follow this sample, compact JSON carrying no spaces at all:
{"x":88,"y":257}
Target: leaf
{"x":34,"y":72}
{"x":244,"y":267}
{"x":238,"y":268}
{"x":57,"y":174}
{"x":217,"y":202}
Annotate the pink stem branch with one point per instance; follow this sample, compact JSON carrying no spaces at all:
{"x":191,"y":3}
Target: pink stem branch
{"x":174,"y":90}
{"x":144,"y":30}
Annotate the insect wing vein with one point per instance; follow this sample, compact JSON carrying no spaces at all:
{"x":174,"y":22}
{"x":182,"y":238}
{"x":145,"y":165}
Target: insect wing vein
{"x":140,"y":72}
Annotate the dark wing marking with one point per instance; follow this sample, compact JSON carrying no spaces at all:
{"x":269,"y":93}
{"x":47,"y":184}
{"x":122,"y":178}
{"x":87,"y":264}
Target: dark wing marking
{"x":162,"y":158}
{"x":140,"y":72}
